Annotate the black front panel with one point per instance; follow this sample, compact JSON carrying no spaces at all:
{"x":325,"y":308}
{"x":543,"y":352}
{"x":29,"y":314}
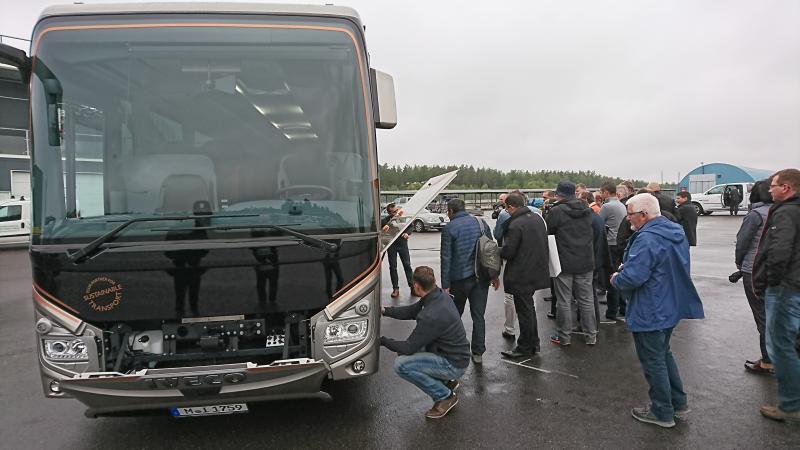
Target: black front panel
{"x":166,"y":285}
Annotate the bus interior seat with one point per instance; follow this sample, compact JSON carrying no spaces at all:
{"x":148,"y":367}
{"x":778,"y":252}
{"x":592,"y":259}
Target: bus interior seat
{"x":149,"y":190}
{"x":296,"y":169}
{"x":346,"y":173}
{"x":179,"y":193}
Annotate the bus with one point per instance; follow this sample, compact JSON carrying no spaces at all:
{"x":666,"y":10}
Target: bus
{"x":205,"y":214}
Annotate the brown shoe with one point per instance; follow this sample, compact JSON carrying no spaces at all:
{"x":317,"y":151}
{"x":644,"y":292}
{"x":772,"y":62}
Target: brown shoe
{"x":775,"y":413}
{"x":395,"y":293}
{"x":442,"y":407}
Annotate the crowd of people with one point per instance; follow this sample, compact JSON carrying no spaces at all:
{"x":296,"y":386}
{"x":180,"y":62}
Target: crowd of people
{"x":627,"y":244}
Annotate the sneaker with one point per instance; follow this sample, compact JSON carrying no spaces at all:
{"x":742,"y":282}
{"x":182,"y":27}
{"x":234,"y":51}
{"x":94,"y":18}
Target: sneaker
{"x":775,"y":413}
{"x":591,"y":340}
{"x":646,"y":416}
{"x":557,"y":340}
{"x":508,"y":335}
{"x":682,"y":412}
{"x":452,"y":385}
{"x":477,"y":358}
{"x":442,"y":407}
{"x":551,"y":315}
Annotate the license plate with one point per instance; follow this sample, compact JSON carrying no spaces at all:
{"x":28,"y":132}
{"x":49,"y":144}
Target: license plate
{"x":212,"y":410}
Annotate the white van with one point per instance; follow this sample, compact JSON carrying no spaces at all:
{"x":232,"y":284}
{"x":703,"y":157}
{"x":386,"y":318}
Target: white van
{"x":712,"y":199}
{"x":15,"y":220}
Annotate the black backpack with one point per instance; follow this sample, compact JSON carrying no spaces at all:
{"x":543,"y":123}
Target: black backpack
{"x":487,"y":255}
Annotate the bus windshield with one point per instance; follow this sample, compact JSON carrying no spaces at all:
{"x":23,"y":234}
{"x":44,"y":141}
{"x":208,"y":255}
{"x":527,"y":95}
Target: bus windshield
{"x":270,"y":122}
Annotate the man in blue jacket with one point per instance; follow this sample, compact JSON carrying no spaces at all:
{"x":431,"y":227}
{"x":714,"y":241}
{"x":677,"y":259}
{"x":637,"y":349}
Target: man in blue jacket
{"x":459,"y":239}
{"x":655,"y":276}
{"x":436,"y":353}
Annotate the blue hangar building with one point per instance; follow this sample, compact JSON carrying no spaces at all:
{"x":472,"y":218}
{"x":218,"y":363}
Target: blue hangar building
{"x":709,"y":175}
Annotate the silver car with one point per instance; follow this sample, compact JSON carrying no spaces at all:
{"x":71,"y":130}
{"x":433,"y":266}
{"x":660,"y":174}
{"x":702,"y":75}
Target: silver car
{"x":427,"y":221}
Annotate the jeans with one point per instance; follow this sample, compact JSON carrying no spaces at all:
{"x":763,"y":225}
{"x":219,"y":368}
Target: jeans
{"x":400,"y":247}
{"x":528,"y":341}
{"x":476,"y":291}
{"x":661,"y":372}
{"x":575,"y":288}
{"x":511,"y":315}
{"x":759,"y":313}
{"x":429,"y":372}
{"x":783,"y":322}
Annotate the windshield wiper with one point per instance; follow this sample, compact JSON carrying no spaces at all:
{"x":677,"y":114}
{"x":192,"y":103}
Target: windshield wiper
{"x":329,"y":247}
{"x":81,"y":255}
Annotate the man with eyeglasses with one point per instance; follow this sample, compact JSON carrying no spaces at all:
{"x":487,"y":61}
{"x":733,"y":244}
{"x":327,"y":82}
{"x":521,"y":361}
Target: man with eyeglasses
{"x":776,"y":279}
{"x":655,"y":276}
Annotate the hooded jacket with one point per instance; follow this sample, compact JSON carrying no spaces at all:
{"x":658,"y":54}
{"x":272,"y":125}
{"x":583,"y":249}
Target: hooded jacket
{"x":570,"y":220}
{"x":749,"y":235}
{"x":525,"y":250}
{"x":777,"y":262}
{"x":657,"y":278}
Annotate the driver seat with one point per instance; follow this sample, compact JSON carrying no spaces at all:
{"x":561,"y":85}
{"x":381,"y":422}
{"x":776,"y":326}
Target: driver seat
{"x":297,"y":169}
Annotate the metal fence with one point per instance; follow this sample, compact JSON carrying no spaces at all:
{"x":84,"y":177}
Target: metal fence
{"x":475,"y":198}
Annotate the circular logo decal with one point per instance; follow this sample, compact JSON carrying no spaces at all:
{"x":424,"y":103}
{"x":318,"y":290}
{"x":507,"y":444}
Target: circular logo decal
{"x":103,"y":294}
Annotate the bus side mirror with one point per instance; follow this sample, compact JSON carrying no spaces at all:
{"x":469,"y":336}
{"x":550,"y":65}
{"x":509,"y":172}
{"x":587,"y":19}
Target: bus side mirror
{"x":17,"y":58}
{"x":383,"y":105}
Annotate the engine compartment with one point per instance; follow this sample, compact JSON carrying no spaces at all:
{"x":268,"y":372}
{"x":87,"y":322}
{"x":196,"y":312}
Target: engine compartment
{"x":205,"y":341}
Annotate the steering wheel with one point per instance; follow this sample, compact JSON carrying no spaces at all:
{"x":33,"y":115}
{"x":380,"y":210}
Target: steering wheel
{"x":308,"y":191}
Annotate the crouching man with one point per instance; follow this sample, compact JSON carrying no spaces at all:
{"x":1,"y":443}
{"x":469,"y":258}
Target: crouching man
{"x":437,"y":352}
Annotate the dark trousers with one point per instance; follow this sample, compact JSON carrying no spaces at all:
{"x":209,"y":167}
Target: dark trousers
{"x":400,"y":247}
{"x":528,"y":341}
{"x":552,"y":297}
{"x":759,"y":313}
{"x":476,"y":292}
{"x":661,"y":372}
{"x":734,"y":208}
{"x":615,"y":303}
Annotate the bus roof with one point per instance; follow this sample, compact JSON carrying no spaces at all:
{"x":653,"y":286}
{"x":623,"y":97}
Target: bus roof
{"x":80,"y":9}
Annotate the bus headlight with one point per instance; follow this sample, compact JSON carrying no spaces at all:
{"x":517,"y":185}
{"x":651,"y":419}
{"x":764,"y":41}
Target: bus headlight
{"x":345,"y":332}
{"x":65,"y":349}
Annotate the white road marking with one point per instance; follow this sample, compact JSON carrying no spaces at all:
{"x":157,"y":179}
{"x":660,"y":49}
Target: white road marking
{"x":539,"y":369}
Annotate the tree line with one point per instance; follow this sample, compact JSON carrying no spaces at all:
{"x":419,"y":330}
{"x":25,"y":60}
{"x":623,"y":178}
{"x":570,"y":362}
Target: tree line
{"x":469,"y":177}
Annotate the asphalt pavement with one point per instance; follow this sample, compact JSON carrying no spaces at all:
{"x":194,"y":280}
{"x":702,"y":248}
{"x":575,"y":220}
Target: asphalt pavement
{"x":574,"y":397}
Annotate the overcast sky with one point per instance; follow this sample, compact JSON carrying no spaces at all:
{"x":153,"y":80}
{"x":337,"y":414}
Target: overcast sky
{"x":629,"y":88}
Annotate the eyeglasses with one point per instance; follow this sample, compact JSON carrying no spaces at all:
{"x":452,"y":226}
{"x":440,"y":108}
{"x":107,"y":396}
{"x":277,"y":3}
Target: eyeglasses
{"x":776,"y":185}
{"x":635,"y":212}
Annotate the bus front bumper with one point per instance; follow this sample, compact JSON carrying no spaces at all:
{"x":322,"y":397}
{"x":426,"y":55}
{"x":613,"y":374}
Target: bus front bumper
{"x":106,"y":393}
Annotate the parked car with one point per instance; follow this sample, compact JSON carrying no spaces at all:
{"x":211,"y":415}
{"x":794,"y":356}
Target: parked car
{"x":712,"y":199}
{"x":430,"y":221}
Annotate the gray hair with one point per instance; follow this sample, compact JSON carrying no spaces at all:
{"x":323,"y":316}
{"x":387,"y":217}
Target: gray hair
{"x":622,"y":191}
{"x":647,"y":203}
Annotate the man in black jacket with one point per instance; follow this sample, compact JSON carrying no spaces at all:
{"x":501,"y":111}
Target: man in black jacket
{"x":776,"y":279}
{"x":687,"y":216}
{"x":664,"y":201}
{"x":437,"y":352}
{"x":398,"y":247}
{"x":525,"y":251}
{"x":570,"y":221}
